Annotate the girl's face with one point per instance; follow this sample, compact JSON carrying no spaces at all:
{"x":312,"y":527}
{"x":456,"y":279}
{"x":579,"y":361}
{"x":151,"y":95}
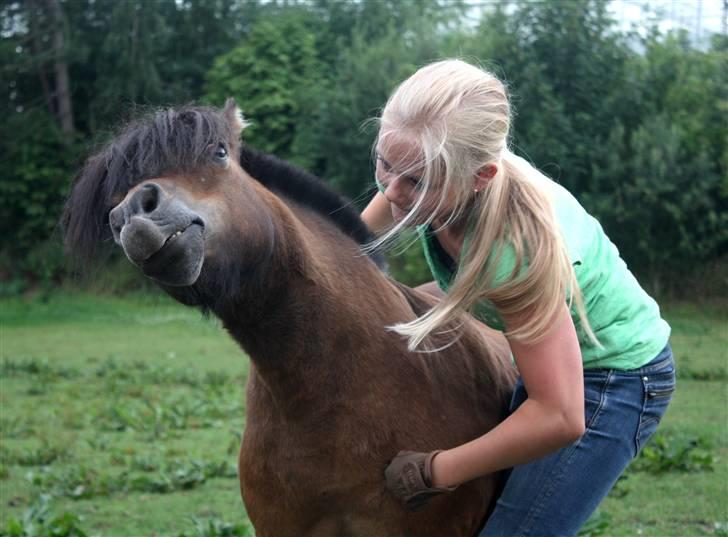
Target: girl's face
{"x":399,"y":170}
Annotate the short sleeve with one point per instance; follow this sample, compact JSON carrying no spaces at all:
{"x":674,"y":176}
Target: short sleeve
{"x":503,"y":255}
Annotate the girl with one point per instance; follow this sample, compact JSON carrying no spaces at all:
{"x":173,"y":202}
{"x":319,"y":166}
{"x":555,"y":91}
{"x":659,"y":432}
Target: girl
{"x":516,"y":249}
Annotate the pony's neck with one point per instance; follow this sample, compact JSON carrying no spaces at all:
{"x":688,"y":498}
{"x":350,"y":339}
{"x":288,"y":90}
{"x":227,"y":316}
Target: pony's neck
{"x":323,"y":296}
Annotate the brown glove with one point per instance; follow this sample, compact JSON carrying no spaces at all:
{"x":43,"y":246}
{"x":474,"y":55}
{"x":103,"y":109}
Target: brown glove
{"x":409,"y":478}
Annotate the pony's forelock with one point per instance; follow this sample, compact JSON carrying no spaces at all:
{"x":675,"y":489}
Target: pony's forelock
{"x":162,"y":142}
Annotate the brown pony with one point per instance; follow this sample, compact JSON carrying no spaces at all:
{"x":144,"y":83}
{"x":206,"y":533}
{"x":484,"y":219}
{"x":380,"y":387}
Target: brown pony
{"x":332,"y":394}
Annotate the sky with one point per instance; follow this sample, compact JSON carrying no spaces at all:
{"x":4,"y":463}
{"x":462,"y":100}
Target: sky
{"x":700,"y":17}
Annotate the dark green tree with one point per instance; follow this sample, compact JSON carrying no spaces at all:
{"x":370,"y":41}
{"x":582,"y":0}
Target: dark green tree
{"x":114,"y":55}
{"x":634,"y":127}
{"x":664,"y":171}
{"x":270,"y":74}
{"x":635,"y":132}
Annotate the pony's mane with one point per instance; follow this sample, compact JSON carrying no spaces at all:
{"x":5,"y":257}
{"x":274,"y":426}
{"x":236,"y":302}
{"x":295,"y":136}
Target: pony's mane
{"x":308,"y":190}
{"x":182,"y":140}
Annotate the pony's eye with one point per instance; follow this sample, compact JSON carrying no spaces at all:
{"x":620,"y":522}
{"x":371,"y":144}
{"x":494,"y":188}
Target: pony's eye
{"x":221,"y":152}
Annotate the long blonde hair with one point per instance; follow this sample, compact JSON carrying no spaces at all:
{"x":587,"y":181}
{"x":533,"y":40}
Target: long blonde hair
{"x":458,"y":116}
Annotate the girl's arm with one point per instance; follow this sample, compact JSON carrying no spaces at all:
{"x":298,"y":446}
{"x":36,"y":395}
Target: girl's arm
{"x":378,"y":214}
{"x":551,"y":418}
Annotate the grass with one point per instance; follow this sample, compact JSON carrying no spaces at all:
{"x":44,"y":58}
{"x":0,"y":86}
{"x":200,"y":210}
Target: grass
{"x":128,"y":412}
{"x":125,"y":414}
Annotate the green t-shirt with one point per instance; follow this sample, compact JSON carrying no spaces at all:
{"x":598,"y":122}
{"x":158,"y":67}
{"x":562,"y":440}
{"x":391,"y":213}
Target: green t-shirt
{"x":625,"y":319}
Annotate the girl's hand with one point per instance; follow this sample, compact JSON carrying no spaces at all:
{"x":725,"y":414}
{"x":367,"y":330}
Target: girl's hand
{"x":409,"y":478}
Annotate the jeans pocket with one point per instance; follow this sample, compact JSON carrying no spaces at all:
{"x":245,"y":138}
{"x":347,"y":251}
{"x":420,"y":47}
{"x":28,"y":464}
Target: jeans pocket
{"x":595,"y":384}
{"x":658,"y":390}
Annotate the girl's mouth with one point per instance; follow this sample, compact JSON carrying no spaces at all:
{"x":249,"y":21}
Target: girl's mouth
{"x":398,"y":214}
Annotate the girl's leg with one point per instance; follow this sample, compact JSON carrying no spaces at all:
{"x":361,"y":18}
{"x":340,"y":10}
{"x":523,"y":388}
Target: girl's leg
{"x":555,"y":495}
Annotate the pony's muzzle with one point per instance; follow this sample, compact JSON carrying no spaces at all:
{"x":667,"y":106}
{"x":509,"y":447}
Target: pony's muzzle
{"x":141,"y":238}
{"x":159,"y":233}
{"x":138,"y":223}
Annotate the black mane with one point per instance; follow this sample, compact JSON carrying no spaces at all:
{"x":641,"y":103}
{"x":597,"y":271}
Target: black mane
{"x":182,"y":140}
{"x":308,"y":190}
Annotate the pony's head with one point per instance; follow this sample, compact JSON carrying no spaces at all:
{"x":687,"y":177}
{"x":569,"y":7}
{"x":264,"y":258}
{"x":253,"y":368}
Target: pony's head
{"x":169,"y":189}
{"x":170,"y":192}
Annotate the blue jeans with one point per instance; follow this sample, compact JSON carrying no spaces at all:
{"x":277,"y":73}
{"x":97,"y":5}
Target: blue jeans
{"x":554,"y":496}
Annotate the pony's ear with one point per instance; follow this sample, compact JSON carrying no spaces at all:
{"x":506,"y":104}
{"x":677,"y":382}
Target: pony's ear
{"x":234,"y":117}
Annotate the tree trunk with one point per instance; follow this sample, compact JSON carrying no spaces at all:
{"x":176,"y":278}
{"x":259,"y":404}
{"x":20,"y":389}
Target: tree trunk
{"x":60,"y":68}
{"x":35,"y":30}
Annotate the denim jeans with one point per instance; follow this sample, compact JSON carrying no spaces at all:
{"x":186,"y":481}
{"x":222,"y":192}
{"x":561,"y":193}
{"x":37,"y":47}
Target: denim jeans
{"x":554,"y":496}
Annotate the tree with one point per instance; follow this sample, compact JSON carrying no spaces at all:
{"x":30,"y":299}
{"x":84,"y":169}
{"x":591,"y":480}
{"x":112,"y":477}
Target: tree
{"x":563,"y":62}
{"x":668,"y":208}
{"x":72,"y":70}
{"x":337,"y":140}
{"x":269,"y":74}
{"x":639,"y":135}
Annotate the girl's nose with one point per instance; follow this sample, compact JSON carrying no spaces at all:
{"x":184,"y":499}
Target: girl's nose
{"x":396,"y":192}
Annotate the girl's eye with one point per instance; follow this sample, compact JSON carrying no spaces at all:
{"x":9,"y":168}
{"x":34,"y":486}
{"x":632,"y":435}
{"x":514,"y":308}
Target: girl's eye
{"x":221,"y":152}
{"x":415,"y":183}
{"x":385,"y":165}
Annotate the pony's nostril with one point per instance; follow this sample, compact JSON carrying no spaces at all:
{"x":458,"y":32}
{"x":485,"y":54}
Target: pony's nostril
{"x":116,"y":220}
{"x":149,"y":198}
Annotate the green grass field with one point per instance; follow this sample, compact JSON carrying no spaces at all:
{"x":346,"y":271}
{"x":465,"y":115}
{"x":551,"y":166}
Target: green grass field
{"x":125,"y":415}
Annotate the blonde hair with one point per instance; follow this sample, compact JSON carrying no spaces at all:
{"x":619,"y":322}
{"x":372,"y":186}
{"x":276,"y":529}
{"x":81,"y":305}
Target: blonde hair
{"x":458,"y":117}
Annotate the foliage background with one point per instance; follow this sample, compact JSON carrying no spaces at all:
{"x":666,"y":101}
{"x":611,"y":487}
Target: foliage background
{"x":633,"y":123}
{"x":125,"y":410}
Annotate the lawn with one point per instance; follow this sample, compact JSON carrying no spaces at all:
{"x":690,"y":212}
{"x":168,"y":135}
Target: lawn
{"x":122,"y":417}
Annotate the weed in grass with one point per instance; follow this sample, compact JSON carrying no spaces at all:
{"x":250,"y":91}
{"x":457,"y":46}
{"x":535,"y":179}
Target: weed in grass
{"x":37,"y":521}
{"x":138,"y":372}
{"x":180,"y":475}
{"x":38,"y":388}
{"x":157,"y":417}
{"x":144,"y":463}
{"x":621,"y":488}
{"x":41,"y":456}
{"x":36,"y":367}
{"x":214,"y":527}
{"x":117,"y":459}
{"x":234,"y":445}
{"x":99,"y":442}
{"x":16,"y":427}
{"x":75,"y":482}
{"x":122,"y":417}
{"x":667,"y":454}
{"x":72,"y":419}
{"x":598,"y":524}
{"x":118,"y":373}
{"x":719,"y":374}
{"x":83,"y":482}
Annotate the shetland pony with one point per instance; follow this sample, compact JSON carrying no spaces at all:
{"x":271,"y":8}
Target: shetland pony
{"x":332,"y":394}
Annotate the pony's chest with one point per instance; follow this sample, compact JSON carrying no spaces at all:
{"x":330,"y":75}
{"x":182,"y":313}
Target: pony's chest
{"x":303,"y":489}
{"x":304,"y":465}
{"x":312,"y":474}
